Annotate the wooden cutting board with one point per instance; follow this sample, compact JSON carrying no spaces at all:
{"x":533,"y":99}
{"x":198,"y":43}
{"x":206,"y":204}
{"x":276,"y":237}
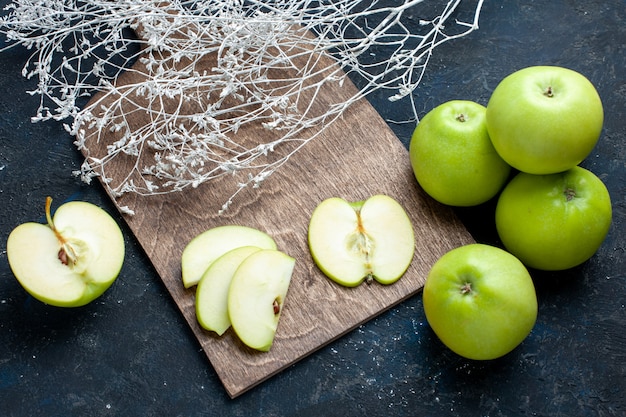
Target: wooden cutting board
{"x":355,"y":157}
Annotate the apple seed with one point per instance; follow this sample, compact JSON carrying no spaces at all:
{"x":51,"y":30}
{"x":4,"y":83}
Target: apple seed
{"x":63,"y":256}
{"x":276,"y":307}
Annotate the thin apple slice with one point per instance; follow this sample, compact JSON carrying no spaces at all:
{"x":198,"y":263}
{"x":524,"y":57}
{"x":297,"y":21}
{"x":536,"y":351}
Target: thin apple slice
{"x":70,"y":261}
{"x":205,"y":248}
{"x":256,"y":296}
{"x":353,"y":242}
{"x":212,"y":290}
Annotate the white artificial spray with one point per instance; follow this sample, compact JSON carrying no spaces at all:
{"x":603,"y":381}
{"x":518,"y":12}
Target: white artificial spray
{"x":268,"y":56}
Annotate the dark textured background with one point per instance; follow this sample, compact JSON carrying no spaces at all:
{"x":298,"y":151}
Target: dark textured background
{"x":130,"y":353}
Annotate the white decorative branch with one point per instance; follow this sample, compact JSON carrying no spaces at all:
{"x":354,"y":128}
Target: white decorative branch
{"x":268,"y":69}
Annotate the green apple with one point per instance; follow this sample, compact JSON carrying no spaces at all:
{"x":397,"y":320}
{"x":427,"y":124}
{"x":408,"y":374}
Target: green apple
{"x":212,"y":291}
{"x":480,"y":301}
{"x":453,"y":158}
{"x":209,"y":245}
{"x":70,"y":261}
{"x":353,"y":242}
{"x":256,"y":296}
{"x":554,"y":222}
{"x":544,"y":119}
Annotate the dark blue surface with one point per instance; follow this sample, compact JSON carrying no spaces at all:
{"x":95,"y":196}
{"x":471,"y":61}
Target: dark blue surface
{"x":130,"y":353}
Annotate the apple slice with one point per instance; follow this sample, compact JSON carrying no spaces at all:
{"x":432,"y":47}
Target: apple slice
{"x":205,"y":248}
{"x":70,"y":261}
{"x":256,"y":296}
{"x":353,"y":242}
{"x":212,"y":290}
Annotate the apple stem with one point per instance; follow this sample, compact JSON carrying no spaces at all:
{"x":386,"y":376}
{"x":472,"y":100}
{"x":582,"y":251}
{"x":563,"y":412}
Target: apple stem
{"x":570,"y":193}
{"x":67,"y":254}
{"x":461,"y":118}
{"x":466,"y":288}
{"x":549,"y":92}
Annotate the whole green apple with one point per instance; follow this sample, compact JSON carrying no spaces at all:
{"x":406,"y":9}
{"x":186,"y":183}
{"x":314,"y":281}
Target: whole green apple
{"x":453,"y":158}
{"x":554,"y":222}
{"x":480,"y":301}
{"x":544,"y":119}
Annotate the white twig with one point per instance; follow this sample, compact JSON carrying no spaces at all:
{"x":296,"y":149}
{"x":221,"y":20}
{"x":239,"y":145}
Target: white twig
{"x":268,"y":70}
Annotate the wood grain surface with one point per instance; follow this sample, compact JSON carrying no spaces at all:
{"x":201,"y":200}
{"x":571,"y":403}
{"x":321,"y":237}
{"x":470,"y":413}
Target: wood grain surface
{"x":354,"y":157}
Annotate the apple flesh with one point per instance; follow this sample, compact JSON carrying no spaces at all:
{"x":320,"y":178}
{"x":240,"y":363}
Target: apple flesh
{"x":453,"y":158}
{"x":212,"y":291}
{"x":554,"y":222}
{"x":205,"y":248}
{"x":544,"y":119}
{"x":70,"y":261}
{"x":480,"y":301}
{"x":256,"y":296}
{"x":354,"y":242}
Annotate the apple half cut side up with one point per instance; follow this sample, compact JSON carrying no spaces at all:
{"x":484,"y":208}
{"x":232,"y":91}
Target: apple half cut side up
{"x":356,"y":242}
{"x":70,"y":261}
{"x":206,"y":247}
{"x":212,"y":291}
{"x":256,"y":297}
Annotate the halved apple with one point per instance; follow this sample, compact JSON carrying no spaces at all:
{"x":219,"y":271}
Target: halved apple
{"x":205,"y":248}
{"x":212,"y":290}
{"x":256,"y":296}
{"x":70,"y":261}
{"x":354,"y":242}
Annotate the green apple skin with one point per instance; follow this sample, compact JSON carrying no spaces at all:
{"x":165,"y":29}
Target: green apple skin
{"x":257,"y":295}
{"x":33,"y":254}
{"x":453,"y":158}
{"x":554,"y":222}
{"x":480,"y":301}
{"x":544,"y":119}
{"x":354,"y":241}
{"x":212,"y":291}
{"x":209,"y":245}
